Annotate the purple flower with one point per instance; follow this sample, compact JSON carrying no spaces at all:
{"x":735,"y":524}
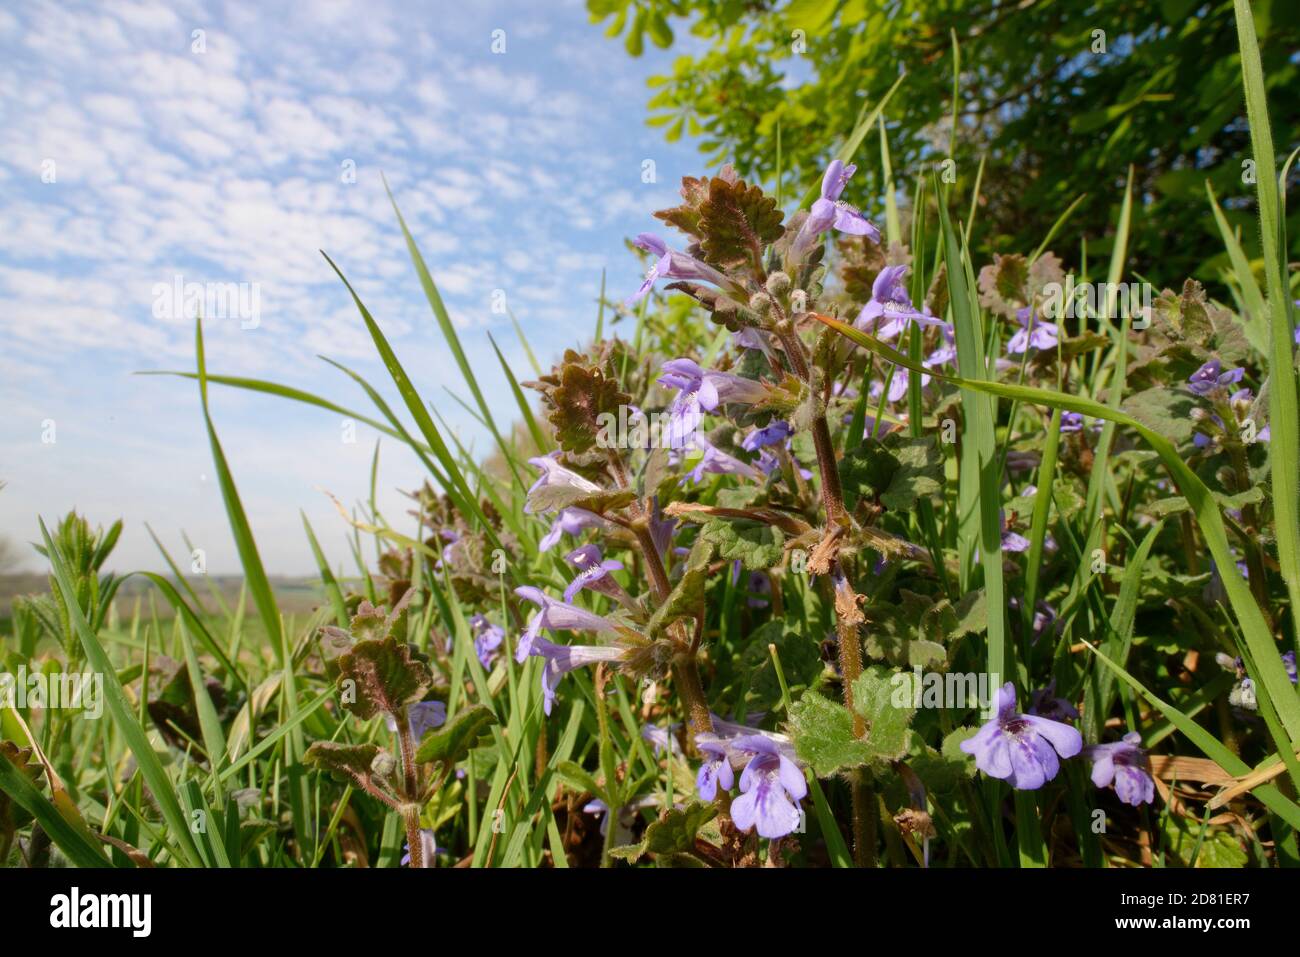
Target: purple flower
{"x":1211,"y":376}
{"x":556,"y":616}
{"x":594,"y":572}
{"x":671,"y":264}
{"x":662,"y":740}
{"x":661,"y":529}
{"x":830,"y":211}
{"x":428,"y":848}
{"x":569,"y":521}
{"x":487,"y":639}
{"x":1125,"y":765}
{"x":702,"y":390}
{"x":422,"y":717}
{"x":946,"y":352}
{"x":561,"y":659}
{"x":1021,"y":749}
{"x":771,"y":787}
{"x":717,"y":462}
{"x":1071,"y":422}
{"x":774,"y":433}
{"x":715,"y":769}
{"x":1045,"y":704}
{"x":1012,"y":541}
{"x":1032,"y":334}
{"x":898,"y":384}
{"x":554,"y":477}
{"x":1288,"y":662}
{"x":891,"y":303}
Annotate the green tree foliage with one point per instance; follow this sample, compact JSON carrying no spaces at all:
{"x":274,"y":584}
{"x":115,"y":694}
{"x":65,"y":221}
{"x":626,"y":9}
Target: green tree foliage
{"x":1060,"y":96}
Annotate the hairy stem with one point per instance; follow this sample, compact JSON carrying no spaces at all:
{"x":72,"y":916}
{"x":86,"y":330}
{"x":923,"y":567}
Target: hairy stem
{"x":847,"y":614}
{"x":686,"y":676}
{"x":410,"y":789}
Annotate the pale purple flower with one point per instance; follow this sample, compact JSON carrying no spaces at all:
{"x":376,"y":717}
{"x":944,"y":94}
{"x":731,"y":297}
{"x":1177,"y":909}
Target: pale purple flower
{"x":890,"y":308}
{"x":1288,"y":662}
{"x":561,"y":659}
{"x":1123,"y":764}
{"x":421,"y":717}
{"x":1211,"y":376}
{"x":1012,"y":541}
{"x":662,"y":740}
{"x":593,"y":572}
{"x":554,"y":476}
{"x":555,"y":616}
{"x":1033,"y":333}
{"x":661,"y":529}
{"x":702,"y":390}
{"x":569,"y":521}
{"x":898,"y":384}
{"x":428,"y":848}
{"x":715,"y":769}
{"x":1021,"y":749}
{"x":671,"y":264}
{"x":946,"y":352}
{"x":717,"y":462}
{"x":830,"y":211}
{"x":774,"y":433}
{"x":487,"y":639}
{"x":771,"y":787}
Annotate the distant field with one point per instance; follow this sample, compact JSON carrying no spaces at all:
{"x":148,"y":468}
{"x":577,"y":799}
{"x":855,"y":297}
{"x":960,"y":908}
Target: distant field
{"x":294,"y":595}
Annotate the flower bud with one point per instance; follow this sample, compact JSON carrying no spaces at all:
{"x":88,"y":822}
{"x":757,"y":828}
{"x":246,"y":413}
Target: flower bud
{"x":778,"y":283}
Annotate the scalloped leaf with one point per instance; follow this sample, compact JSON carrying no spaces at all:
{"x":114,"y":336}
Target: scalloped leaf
{"x":384,"y":676}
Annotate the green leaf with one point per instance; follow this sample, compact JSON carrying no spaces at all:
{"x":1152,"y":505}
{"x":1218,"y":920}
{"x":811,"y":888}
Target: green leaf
{"x":455,"y":739}
{"x":673,"y":833}
{"x":579,"y":779}
{"x":823,"y":735}
{"x":884,"y":699}
{"x":685,"y":598}
{"x":1163,"y":410}
{"x":758,"y":545}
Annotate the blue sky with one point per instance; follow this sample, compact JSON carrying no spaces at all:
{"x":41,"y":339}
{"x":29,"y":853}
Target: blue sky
{"x":518,"y":172}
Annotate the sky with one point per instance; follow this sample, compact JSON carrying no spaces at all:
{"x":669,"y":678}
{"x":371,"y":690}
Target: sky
{"x":145,"y":145}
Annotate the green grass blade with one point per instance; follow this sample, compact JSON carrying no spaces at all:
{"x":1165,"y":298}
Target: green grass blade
{"x":254,"y":572}
{"x":1255,"y":321}
{"x":445,"y":324}
{"x":326,"y":576}
{"x":539,"y":437}
{"x":66,"y":837}
{"x":120,"y":710}
{"x":1283,"y":406}
{"x":456,"y":486}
